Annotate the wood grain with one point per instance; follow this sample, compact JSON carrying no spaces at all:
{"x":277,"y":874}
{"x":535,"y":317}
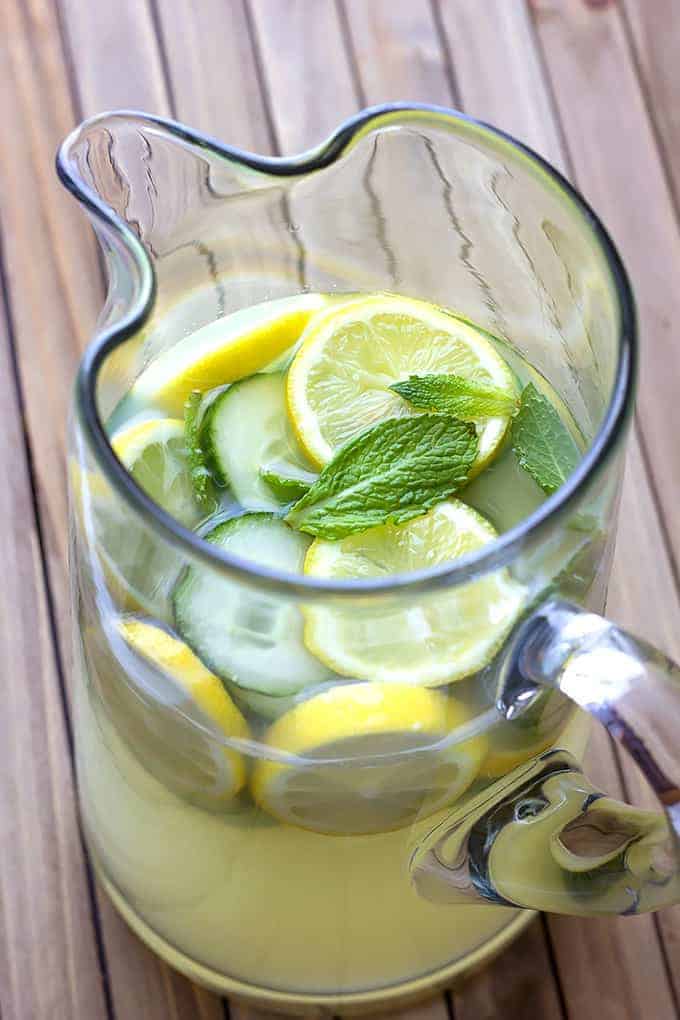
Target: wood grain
{"x":486,"y":96}
{"x":397,"y":52}
{"x":516,"y":985}
{"x":50,"y":255}
{"x":432,"y":1009}
{"x":617,"y":166}
{"x":49,"y":964}
{"x":212,"y":71}
{"x":115,"y":57}
{"x":55,"y":300}
{"x":239,"y":1011}
{"x":587,"y":52}
{"x":655,"y":31}
{"x":647,"y":602}
{"x":305,"y":69}
{"x":498,"y":70}
{"x":142,"y":986}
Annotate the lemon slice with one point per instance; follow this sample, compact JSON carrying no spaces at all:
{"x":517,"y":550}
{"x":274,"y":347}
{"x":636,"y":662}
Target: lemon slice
{"x":427,"y":639}
{"x":177,"y":716}
{"x":372,"y":758}
{"x":338,"y":382}
{"x":225,"y":350}
{"x":155,"y":454}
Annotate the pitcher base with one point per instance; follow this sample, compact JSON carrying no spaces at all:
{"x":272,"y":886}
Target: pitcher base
{"x":403,"y":994}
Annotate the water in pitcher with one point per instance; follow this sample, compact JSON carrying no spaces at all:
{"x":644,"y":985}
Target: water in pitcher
{"x":256,"y":769}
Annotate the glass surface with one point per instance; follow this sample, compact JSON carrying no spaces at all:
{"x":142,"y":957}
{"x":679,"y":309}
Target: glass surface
{"x":427,"y":204}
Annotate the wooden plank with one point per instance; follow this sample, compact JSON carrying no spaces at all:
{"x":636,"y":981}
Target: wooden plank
{"x":212,"y":71}
{"x":521,"y":96}
{"x":587,"y":53}
{"x":431,"y":1009}
{"x":48,"y":957}
{"x":239,"y":1011}
{"x":397,"y":52}
{"x":649,"y":608}
{"x":655,"y":30}
{"x":617,"y":165}
{"x":305,"y":69}
{"x":115,"y":59}
{"x":52,"y":313}
{"x":516,"y":984}
{"x":614,"y":962}
{"x":56,"y":299}
{"x":498,"y":71}
{"x":142,"y":986}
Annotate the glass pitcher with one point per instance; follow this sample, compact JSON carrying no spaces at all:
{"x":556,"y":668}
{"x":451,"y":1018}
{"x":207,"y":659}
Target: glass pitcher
{"x":378,"y":889}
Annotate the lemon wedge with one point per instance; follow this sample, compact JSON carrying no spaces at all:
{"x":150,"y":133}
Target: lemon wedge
{"x":154,"y":452}
{"x":429,"y":639}
{"x":230,"y":348}
{"x":178,"y":716}
{"x":138,"y":566}
{"x":338,"y":383}
{"x":371,"y":758}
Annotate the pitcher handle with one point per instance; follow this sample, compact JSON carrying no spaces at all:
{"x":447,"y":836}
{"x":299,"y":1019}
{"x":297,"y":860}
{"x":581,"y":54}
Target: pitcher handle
{"x":543,"y":837}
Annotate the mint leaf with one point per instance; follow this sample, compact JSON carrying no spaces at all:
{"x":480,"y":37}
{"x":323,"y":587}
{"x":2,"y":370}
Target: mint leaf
{"x":541,"y":442}
{"x":287,"y":481}
{"x":198,"y":469}
{"x":452,"y":394}
{"x":389,"y":474}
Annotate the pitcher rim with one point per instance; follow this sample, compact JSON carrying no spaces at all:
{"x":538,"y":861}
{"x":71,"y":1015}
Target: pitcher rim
{"x":497,"y":553}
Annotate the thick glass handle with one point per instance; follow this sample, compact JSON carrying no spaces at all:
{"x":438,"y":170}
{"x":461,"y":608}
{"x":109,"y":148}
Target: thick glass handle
{"x":543,"y":837}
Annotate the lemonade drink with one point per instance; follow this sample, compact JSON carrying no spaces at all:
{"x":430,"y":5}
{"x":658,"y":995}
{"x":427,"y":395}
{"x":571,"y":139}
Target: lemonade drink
{"x":256,"y":769}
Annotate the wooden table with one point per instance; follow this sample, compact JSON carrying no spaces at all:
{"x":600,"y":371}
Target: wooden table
{"x":595,"y":87}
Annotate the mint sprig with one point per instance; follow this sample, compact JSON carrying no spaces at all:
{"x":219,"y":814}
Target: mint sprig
{"x":541,"y":442}
{"x":201,"y":478}
{"x":287,"y":481}
{"x":391,"y":473}
{"x":455,"y":395}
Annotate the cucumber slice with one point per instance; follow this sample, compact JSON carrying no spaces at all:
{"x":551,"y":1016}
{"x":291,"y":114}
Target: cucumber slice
{"x":252,"y":639}
{"x":245,"y":429}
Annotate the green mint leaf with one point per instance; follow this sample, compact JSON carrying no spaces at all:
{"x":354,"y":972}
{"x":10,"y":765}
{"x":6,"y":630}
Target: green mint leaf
{"x":391,"y":473}
{"x":287,"y":481}
{"x":200,"y":475}
{"x":542,"y":443}
{"x":452,"y":394}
